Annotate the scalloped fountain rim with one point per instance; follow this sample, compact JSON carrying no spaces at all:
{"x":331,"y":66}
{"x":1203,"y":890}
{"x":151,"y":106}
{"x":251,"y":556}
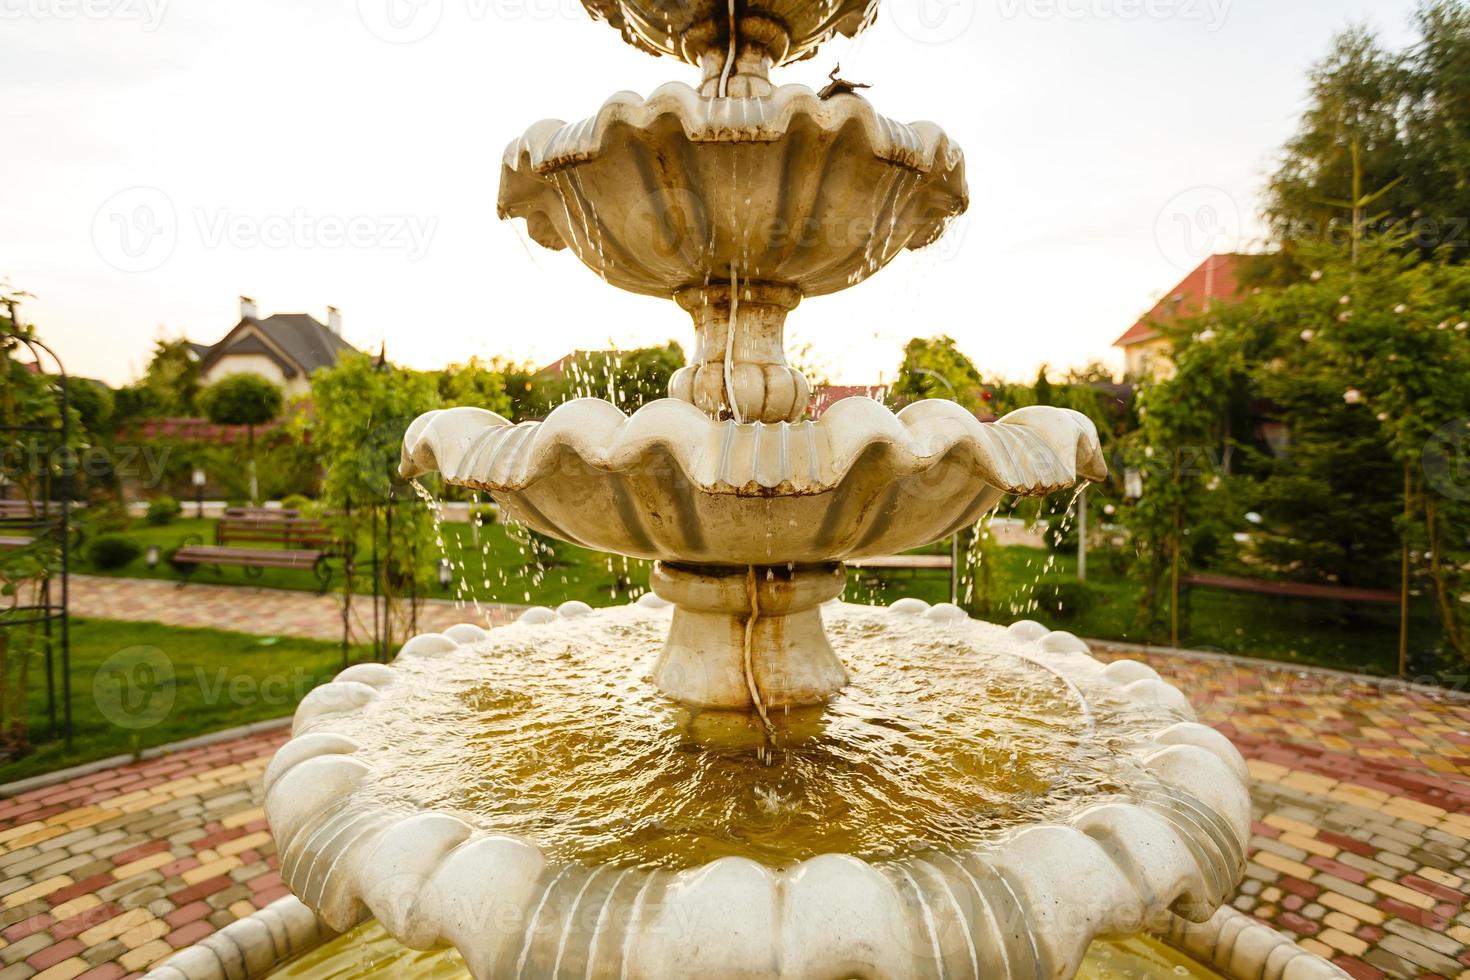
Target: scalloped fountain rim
{"x":1112,"y":868}
{"x":1033,"y":451}
{"x":554,"y":144}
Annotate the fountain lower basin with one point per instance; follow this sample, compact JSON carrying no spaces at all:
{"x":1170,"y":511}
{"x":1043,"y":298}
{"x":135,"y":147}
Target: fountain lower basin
{"x":1011,"y":800}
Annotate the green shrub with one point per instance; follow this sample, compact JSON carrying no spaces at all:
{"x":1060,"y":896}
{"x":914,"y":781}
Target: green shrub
{"x":485,"y":515}
{"x":298,"y":502}
{"x":113,"y":551}
{"x":162,"y":510}
{"x":1064,"y":601}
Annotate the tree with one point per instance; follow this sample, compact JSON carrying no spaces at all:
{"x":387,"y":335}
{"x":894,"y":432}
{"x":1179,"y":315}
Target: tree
{"x":361,"y":409}
{"x":170,"y":386}
{"x":475,"y":384}
{"x":628,"y":379}
{"x":1349,"y":155}
{"x":935,"y":368}
{"x":243,"y":399}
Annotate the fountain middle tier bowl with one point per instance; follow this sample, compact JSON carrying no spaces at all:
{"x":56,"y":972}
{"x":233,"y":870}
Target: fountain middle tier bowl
{"x":674,"y":485}
{"x":681,"y":190}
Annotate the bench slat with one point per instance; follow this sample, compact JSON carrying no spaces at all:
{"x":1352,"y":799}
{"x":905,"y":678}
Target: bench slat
{"x":1300,"y":590}
{"x":906,"y":562}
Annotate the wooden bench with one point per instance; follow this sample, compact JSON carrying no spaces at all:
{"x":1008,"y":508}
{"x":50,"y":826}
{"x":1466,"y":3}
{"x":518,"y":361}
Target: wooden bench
{"x":1296,"y":590}
{"x":10,"y":543}
{"x":301,"y":545}
{"x":262,"y":513}
{"x":290,"y":532}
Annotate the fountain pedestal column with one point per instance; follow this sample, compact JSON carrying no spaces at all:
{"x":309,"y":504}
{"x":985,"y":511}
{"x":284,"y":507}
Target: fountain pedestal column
{"x":739,"y":369}
{"x":726,"y":640}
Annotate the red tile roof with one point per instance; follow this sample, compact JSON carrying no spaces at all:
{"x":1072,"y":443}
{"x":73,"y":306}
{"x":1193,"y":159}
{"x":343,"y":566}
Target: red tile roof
{"x":826,"y":396}
{"x":1217,"y":278}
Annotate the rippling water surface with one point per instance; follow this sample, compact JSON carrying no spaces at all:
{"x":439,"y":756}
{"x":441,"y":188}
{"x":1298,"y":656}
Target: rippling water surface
{"x":947,"y":738}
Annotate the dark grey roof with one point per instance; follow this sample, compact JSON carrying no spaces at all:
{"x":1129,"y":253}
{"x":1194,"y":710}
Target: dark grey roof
{"x":306,"y":342}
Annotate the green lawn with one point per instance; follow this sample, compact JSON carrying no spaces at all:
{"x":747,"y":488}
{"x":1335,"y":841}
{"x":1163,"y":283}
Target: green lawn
{"x":499,"y":569}
{"x":495,"y":567}
{"x":137,"y":685}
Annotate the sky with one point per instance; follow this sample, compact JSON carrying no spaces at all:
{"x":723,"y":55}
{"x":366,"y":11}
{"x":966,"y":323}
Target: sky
{"x":160,"y":158}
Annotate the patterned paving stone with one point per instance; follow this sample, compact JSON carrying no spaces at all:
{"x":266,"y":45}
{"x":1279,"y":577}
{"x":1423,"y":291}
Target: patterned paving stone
{"x":268,"y":612}
{"x":1360,"y":847}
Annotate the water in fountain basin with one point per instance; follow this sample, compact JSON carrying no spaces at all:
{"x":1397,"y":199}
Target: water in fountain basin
{"x":943,"y":741}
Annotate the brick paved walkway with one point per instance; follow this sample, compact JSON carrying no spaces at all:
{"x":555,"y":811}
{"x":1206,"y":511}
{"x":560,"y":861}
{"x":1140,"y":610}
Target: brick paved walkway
{"x":1360,"y":848}
{"x":267,"y":612}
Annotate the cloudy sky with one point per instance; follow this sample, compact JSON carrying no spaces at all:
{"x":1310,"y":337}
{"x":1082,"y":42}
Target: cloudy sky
{"x":162,"y":157}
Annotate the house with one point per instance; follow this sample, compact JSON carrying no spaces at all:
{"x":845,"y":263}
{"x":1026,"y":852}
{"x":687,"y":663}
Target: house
{"x":1146,"y":349}
{"x":284,"y":348}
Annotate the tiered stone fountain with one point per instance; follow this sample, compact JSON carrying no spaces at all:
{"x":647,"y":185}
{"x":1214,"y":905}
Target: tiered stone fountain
{"x":739,"y":776}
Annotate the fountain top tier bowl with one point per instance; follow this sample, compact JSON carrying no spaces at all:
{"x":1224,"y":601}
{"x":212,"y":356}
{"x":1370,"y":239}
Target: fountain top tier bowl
{"x":980,"y":802}
{"x":699,"y":30}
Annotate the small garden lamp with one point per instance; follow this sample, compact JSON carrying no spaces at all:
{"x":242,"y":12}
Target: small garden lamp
{"x":199,"y":479}
{"x":446,"y":574}
{"x":151,"y":556}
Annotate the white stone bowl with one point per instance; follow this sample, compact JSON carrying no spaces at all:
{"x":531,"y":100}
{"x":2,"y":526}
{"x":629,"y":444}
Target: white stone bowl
{"x":672,"y":484}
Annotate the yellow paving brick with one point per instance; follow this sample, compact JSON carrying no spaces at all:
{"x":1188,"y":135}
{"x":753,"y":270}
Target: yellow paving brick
{"x":1276,"y":862}
{"x":1406,"y":895}
{"x":1317,"y":948}
{"x":248,"y":842}
{"x":115,"y":926}
{"x":242,"y":909}
{"x":1309,"y":782}
{"x":1268,"y":772}
{"x":207,"y":855}
{"x":66,"y":816}
{"x":1367,"y":792}
{"x":1310,"y":845}
{"x":1460,"y":934}
{"x":78,"y":905}
{"x":21,"y":831}
{"x":92,"y":819}
{"x":1352,"y":907}
{"x":1427,"y":809}
{"x":145,"y":956}
{"x":1351,"y":945}
{"x":64,"y":970}
{"x":1338,"y":920}
{"x":1271,"y":894}
{"x":146,"y":863}
{"x":154,"y":928}
{"x":211,"y":870}
{"x":37,"y":836}
{"x":242,"y":818}
{"x":1289,"y":825}
{"x":1440,"y":877}
{"x":1458,"y":829}
{"x":37,"y":890}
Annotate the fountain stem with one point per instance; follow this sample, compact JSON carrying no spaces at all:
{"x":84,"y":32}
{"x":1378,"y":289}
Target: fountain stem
{"x":764,"y":387}
{"x":748,"y":639}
